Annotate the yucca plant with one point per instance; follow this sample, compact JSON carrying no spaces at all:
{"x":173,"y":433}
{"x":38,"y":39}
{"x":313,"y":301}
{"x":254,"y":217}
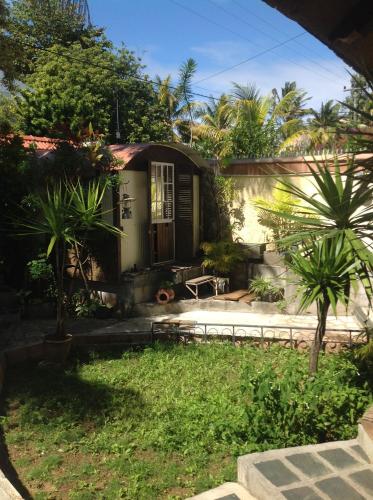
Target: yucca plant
{"x":326,"y":270}
{"x":66,"y":214}
{"x":341,"y":206}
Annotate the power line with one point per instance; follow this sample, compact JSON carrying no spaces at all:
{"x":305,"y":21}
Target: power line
{"x":240,"y":19}
{"x":110,"y":69}
{"x":274,"y":27}
{"x":211,"y":21}
{"x":246,"y":60}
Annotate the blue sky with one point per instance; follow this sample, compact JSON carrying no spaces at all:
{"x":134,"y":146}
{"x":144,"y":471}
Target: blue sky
{"x":219,"y":34}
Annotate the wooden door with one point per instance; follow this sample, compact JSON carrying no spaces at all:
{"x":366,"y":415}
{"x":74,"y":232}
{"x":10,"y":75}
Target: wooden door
{"x":162,"y":212}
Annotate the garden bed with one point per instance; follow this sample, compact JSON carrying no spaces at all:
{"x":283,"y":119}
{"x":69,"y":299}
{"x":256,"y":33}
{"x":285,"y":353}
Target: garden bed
{"x":169,"y":421}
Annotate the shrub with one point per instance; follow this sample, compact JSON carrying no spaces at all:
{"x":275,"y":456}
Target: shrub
{"x":286,"y":407}
{"x":265,"y":290}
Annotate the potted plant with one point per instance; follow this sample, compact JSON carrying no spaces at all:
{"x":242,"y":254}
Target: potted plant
{"x":65,"y":215}
{"x":165,"y":293}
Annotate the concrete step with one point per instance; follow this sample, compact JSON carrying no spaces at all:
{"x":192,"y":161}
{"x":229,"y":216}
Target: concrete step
{"x":333,"y":471}
{"x":227,"y":491}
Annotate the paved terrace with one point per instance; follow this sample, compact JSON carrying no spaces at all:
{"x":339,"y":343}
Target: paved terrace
{"x":246,"y":324}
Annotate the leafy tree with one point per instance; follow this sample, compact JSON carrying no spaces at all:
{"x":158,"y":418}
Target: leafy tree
{"x":37,"y":25}
{"x":9,"y":115}
{"x":73,"y":87}
{"x":10,"y":52}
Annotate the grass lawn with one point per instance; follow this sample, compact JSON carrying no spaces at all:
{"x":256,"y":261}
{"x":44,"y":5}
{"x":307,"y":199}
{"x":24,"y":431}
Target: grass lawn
{"x":166,"y":422}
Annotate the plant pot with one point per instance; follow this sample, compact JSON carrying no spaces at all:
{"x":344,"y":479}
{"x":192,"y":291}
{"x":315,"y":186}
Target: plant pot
{"x":163,"y":296}
{"x":56,"y":349}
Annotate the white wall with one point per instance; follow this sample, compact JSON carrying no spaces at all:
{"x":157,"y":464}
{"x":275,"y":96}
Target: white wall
{"x":249,"y":187}
{"x":135,"y":245}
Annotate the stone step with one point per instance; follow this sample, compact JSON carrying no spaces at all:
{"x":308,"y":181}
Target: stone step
{"x":333,"y":471}
{"x":227,"y":491}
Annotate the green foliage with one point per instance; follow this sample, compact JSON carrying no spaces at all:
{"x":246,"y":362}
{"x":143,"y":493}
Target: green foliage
{"x":144,"y":423}
{"x":178,"y":101}
{"x":73,"y":87}
{"x":287,"y":408}
{"x":222,"y":256}
{"x":326,"y":271}
{"x":40,"y":24}
{"x":166,"y":284}
{"x":67,"y":215}
{"x":83,"y":304}
{"x":342,"y":208}
{"x":249,"y":125}
{"x":9,"y":52}
{"x":266,"y":290}
{"x":268,"y":211}
{"x":41,"y":271}
{"x":231,"y":218}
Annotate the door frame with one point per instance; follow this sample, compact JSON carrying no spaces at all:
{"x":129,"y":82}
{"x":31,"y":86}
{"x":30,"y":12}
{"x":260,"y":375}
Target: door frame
{"x":160,"y":221}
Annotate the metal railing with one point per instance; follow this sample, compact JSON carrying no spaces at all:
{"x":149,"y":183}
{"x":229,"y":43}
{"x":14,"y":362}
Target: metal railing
{"x":293,"y":335}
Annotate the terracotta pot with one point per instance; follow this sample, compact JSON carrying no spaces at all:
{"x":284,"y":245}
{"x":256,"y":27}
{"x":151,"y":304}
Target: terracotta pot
{"x":56,"y":350}
{"x":171,"y":293}
{"x":163,"y":296}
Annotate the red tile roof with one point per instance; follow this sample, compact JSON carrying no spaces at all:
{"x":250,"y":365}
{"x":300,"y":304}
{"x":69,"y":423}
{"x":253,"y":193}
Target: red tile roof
{"x":40,"y":143}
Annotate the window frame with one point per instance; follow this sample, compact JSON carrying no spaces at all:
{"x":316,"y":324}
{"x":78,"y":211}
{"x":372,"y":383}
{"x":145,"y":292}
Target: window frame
{"x":162,"y":201}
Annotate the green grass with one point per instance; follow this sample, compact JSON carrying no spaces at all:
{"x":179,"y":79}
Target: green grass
{"x":167,"y":422}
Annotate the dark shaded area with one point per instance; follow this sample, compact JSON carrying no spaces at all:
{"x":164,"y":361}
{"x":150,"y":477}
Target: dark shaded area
{"x":7,"y":466}
{"x":53,"y":392}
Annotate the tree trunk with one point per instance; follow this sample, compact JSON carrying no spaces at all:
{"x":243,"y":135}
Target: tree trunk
{"x":322,"y":314}
{"x":60,"y":266}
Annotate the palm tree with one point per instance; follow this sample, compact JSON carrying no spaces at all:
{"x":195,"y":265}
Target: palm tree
{"x":320,"y":131}
{"x":66,"y":214}
{"x":326,"y":270}
{"x":178,"y":100}
{"x":215,"y":122}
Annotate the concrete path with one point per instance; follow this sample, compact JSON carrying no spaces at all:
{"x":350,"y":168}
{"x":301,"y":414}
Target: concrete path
{"x":297,"y":322}
{"x":333,"y":471}
{"x":229,"y":318}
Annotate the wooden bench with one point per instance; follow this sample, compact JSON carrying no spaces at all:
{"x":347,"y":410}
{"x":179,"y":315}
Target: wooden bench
{"x":202,"y":280}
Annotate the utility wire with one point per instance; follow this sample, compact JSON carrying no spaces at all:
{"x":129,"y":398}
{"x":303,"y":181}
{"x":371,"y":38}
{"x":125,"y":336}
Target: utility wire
{"x":246,"y":60}
{"x":211,"y":21}
{"x":259,"y":30}
{"x":110,"y":69}
{"x":274,"y":27}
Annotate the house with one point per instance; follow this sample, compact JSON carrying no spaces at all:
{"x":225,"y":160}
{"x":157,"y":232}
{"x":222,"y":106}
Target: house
{"x":160,"y":207}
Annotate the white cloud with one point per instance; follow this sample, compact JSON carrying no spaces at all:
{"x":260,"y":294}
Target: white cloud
{"x":266,"y":73}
